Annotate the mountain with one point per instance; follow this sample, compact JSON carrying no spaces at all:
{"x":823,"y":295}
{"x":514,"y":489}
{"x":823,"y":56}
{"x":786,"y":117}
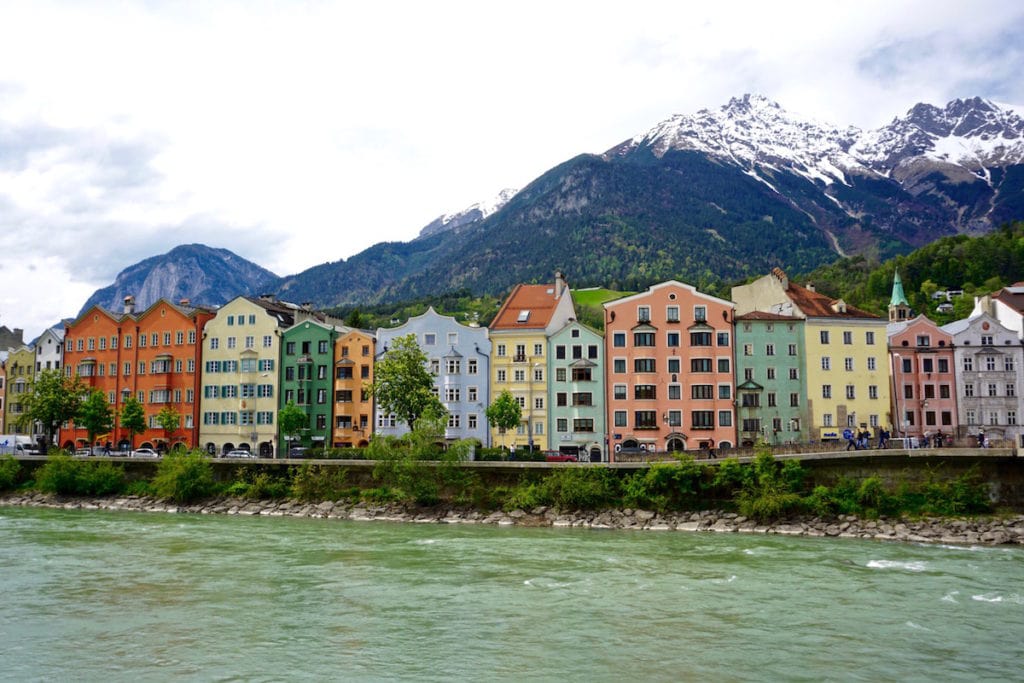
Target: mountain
{"x":201,"y":274}
{"x":713,"y":197}
{"x":472,"y":214}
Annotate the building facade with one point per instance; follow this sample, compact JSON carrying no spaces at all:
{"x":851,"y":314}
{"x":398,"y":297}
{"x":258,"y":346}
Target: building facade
{"x":771,"y":373}
{"x":923,"y":369}
{"x":354,"y":354}
{"x":846,"y":355}
{"x":669,"y":378}
{"x":989,"y":370}
{"x":21,"y":370}
{"x":307,"y":364}
{"x":240,"y":380}
{"x":459,"y":357}
{"x":99,"y":349}
{"x":519,"y":350}
{"x":50,"y":350}
{"x":577,"y":399}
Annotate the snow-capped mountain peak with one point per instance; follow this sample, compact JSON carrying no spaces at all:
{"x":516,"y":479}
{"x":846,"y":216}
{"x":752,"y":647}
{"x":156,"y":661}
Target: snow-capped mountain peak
{"x":471,"y":214}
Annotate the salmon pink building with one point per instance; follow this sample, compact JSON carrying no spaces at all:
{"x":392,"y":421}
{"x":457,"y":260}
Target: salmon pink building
{"x":924,"y":379}
{"x":669,"y":371}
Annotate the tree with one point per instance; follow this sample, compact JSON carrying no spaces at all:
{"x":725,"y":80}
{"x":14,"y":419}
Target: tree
{"x":133,"y":418}
{"x":52,"y":400}
{"x":402,"y":384}
{"x":505,"y":412}
{"x":169,"y":420}
{"x":293,"y":420}
{"x":95,"y":415}
{"x":354,"y":319}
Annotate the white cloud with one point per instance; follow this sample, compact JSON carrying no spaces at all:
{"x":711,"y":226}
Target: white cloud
{"x":297,"y":133}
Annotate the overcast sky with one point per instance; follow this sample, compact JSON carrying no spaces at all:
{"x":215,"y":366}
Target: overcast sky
{"x":295,"y":133}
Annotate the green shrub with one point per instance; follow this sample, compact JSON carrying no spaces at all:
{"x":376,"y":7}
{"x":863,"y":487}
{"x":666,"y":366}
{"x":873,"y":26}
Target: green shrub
{"x":664,"y":486}
{"x":264,"y":486}
{"x":9,"y":470}
{"x":67,"y":476}
{"x":526,"y":496}
{"x":140,"y":487}
{"x":381,"y":495}
{"x":311,"y":482}
{"x":184,"y":476}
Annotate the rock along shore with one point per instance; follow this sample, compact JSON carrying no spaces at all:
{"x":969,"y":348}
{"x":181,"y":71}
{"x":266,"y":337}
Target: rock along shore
{"x":966,"y":531}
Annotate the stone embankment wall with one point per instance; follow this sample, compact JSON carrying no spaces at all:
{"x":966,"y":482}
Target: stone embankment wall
{"x":989,"y":531}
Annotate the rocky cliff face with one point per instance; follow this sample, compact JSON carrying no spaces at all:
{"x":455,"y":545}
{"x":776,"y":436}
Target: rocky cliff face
{"x":201,"y":274}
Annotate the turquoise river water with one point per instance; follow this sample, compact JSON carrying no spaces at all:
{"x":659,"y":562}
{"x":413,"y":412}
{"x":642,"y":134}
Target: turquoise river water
{"x":126,"y":596}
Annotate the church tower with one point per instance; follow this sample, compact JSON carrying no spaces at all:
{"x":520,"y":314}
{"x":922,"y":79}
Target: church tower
{"x":899,"y":307}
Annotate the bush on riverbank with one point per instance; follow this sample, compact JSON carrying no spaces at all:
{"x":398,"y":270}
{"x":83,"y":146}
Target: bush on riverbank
{"x":65,"y":475}
{"x":184,"y":476}
{"x":9,"y":470}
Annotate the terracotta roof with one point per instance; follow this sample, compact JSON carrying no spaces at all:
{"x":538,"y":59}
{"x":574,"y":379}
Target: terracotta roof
{"x":539,"y":300}
{"x":1012,"y":297}
{"x":764,"y":315}
{"x":817,"y":305}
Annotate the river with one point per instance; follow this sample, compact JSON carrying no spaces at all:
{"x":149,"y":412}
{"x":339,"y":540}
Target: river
{"x":128,"y":596}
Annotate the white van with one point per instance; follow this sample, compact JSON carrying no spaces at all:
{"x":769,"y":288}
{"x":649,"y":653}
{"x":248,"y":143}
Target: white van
{"x":16,"y":444}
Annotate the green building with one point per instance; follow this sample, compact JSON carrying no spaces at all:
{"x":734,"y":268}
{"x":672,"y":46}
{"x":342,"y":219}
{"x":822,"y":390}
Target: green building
{"x":306,"y":379}
{"x":771,"y":372}
{"x":576,"y":401}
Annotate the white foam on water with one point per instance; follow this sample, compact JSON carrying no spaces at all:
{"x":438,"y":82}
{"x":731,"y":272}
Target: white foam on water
{"x":425,"y":541}
{"x":951,"y":596}
{"x":987,"y":597}
{"x":893,"y":564}
{"x":918,"y":627}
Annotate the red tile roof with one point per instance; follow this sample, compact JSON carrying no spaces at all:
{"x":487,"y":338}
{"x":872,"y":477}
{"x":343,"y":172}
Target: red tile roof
{"x":539,"y":300}
{"x":817,"y":305}
{"x":764,"y":315}
{"x":1012,"y":297}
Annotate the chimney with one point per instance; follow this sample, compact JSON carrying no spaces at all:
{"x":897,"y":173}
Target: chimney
{"x":266,"y":297}
{"x":129,"y":304}
{"x":810,"y":287}
{"x":781,"y":276}
{"x":559,"y":284}
{"x":185,"y":302}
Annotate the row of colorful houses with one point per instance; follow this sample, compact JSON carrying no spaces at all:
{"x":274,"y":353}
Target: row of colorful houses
{"x":674,"y":369}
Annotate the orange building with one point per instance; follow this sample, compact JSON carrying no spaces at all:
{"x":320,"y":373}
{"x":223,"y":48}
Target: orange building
{"x":152,"y":356}
{"x":668,"y":370}
{"x":353,"y":375}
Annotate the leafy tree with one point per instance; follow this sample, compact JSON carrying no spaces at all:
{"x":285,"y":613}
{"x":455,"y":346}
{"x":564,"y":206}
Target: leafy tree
{"x":95,"y":415}
{"x":52,"y":400}
{"x":169,"y":420}
{"x":354,"y":319}
{"x":133,"y":418}
{"x":505,"y":412}
{"x":402,"y":384}
{"x":293,"y":420}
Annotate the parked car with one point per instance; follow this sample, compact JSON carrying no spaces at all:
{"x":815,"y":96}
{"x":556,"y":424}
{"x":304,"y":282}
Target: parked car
{"x":144,"y":453}
{"x":558,"y":456}
{"x":83,"y":451}
{"x":239,"y":453}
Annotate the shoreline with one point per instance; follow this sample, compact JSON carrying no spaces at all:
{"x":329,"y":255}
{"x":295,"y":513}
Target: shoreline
{"x":987,"y":530}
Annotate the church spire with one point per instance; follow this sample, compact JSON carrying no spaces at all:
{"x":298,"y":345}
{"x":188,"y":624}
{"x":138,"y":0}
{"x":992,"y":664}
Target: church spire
{"x":899,"y":307}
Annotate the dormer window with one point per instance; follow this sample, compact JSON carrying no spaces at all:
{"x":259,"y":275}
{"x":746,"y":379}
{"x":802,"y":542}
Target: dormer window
{"x":524,"y":315}
{"x":924,"y":340}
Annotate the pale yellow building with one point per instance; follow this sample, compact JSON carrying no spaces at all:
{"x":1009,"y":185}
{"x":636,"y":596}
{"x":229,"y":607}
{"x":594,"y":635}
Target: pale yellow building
{"x":519,"y":351}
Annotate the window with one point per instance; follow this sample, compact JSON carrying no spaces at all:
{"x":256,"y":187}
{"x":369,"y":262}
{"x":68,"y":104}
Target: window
{"x":750,"y":400}
{"x":794,"y":400}
{"x":560,"y":352}
{"x":471,"y":366}
{"x":826,"y":363}
{"x":871,"y":363}
{"x":986,"y":340}
{"x":645,"y":419}
{"x":702,"y":419}
{"x":429,"y":339}
{"x":538,"y":349}
{"x":675,"y":392}
{"x":560,"y":374}
{"x":943,"y":365}
{"x":1011,"y":390}
{"x":969,"y":390}
{"x":672,"y":314}
{"x":826,"y":419}
{"x":501,"y":350}
{"x":472,"y":393}
{"x":748,"y":349}
{"x":700,"y":313}
{"x":927,"y":365}
{"x":268,"y":341}
{"x":723,"y":365}
{"x":706,"y":391}
{"x":992,"y":390}
{"x":643,"y":392}
{"x":908,"y":391}
{"x":725,"y":418}
{"x":823,"y":336}
{"x":723,"y":338}
{"x":700,"y":365}
{"x":792,"y":349}
{"x":619,"y":366}
{"x":847,"y":337}
{"x":675,"y":418}
{"x":968,"y":364}
{"x":700,"y":339}
{"x":770,"y":373}
{"x":643,"y":339}
{"x":771,"y":399}
{"x":583,"y":424}
{"x":672,"y":339}
{"x":643,"y":314}
{"x":452,"y":394}
{"x":848,"y":364}
{"x":453,"y":366}
{"x":619,"y":392}
{"x":751,"y":425}
{"x":851,"y":392}
{"x":538,"y":374}
{"x":869,"y":338}
{"x":1008,"y":364}
{"x":619,"y":339}
{"x":769,"y":349}
{"x":519,"y":375}
{"x":562,"y":425}
{"x":1011,"y":417}
{"x":907,"y":365}
{"x":471,"y":421}
{"x":826,"y":391}
{"x":724,"y":391}
{"x":619,"y":418}
{"x":643,"y":365}
{"x":581,"y":374}
{"x":990,"y":363}
{"x":872,"y":391}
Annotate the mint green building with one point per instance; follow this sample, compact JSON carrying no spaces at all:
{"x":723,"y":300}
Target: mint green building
{"x":771,"y":380}
{"x":576,"y":401}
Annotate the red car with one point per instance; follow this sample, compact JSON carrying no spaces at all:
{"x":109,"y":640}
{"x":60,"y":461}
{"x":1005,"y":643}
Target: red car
{"x":558,"y":456}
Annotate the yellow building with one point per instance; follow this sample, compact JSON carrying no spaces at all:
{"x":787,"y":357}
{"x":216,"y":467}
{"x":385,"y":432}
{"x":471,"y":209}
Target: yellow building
{"x":846,"y":355}
{"x":519,"y":350}
{"x":240,"y":385}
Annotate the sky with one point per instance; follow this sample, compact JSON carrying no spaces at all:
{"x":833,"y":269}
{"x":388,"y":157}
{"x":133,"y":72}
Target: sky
{"x":296,"y":133}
